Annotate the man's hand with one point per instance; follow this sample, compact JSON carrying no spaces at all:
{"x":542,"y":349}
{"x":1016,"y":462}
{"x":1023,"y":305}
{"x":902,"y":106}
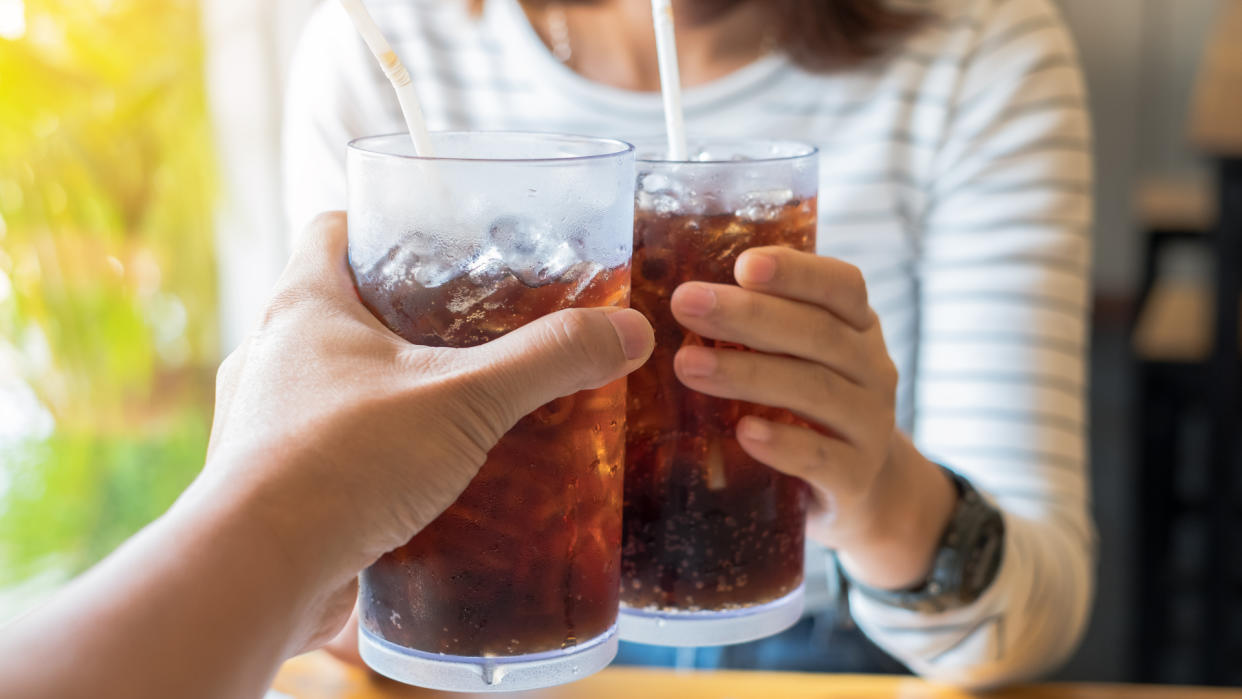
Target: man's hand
{"x":355,"y":439}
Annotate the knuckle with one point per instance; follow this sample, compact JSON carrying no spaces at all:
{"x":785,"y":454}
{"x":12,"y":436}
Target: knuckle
{"x":883,"y":410}
{"x":486,"y":413}
{"x":889,"y":376}
{"x":818,"y":461}
{"x":855,"y":284}
{"x":750,"y":308}
{"x":570,"y":327}
{"x":824,"y":335}
{"x":874,"y":323}
{"x":740,"y":368}
{"x":824,"y":382}
{"x":327,"y":220}
{"x":316,"y":231}
{"x":846,"y":288}
{"x":227,"y":371}
{"x":572,"y":330}
{"x":890,"y":419}
{"x":418,"y":362}
{"x":797,"y":262}
{"x":286,"y":302}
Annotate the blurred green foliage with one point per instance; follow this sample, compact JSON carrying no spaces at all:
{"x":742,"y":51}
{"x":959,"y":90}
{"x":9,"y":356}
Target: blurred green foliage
{"x":107,"y":275}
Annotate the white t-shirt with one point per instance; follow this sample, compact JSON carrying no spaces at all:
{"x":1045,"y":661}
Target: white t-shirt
{"x":955,"y":174}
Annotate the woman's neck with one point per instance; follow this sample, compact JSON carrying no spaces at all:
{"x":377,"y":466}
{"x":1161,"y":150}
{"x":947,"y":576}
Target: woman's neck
{"x":612,"y":41}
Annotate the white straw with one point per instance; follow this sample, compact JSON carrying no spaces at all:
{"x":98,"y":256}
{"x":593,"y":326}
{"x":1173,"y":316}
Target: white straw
{"x":670,"y":78}
{"x":411,"y":109}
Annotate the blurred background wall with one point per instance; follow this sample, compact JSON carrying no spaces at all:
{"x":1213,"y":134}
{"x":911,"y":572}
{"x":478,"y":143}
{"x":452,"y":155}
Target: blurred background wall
{"x":1140,"y":57}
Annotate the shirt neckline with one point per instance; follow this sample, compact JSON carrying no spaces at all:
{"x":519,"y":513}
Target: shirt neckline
{"x":514,"y":27}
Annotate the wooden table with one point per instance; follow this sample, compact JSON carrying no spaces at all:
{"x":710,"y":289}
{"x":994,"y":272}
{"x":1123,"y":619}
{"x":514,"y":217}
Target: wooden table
{"x":319,"y":676}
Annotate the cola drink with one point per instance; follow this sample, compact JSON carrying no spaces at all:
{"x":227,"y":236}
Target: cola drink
{"x":515,"y":586}
{"x":525,"y":560}
{"x":710,"y":534}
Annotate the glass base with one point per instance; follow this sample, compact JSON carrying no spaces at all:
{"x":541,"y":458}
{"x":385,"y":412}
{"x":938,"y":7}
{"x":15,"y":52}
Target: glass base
{"x":710,"y":628}
{"x":460,"y":673}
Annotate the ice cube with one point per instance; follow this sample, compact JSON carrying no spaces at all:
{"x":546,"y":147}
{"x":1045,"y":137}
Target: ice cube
{"x":551,"y":268}
{"x":419,"y":259}
{"x":435,"y":270}
{"x":489,"y":263}
{"x":402,"y":263}
{"x":581,"y":274}
{"x":392,"y":268}
{"x":466,"y":297}
{"x":531,"y":250}
{"x":661,"y":194}
{"x":448,"y":259}
{"x":515,"y":237}
{"x":764,"y":205}
{"x":655,"y":182}
{"x":660,"y":203}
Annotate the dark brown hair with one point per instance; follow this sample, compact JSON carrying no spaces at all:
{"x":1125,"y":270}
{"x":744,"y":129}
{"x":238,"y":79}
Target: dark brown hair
{"x":823,"y":35}
{"x":828,"y":34}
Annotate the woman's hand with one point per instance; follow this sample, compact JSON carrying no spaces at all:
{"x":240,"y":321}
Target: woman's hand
{"x":351,"y":440}
{"x":821,"y":354}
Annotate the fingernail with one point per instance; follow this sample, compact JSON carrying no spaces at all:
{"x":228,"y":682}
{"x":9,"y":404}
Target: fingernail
{"x":755,"y":430}
{"x":697,"y":361}
{"x":695,"y":300}
{"x":756,"y":267}
{"x":634,"y":332}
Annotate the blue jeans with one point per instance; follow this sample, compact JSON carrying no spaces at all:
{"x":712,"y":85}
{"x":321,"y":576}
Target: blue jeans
{"x":826,"y":642}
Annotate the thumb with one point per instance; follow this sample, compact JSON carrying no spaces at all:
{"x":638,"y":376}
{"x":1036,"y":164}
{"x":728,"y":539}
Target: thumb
{"x":563,"y":353}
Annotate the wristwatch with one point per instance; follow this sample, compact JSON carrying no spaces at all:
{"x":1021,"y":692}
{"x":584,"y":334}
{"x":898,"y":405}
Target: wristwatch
{"x":966,"y":562}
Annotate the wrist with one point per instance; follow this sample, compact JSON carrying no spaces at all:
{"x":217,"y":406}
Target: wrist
{"x":913,"y":502}
{"x":292,"y":541}
{"x":219,"y":592}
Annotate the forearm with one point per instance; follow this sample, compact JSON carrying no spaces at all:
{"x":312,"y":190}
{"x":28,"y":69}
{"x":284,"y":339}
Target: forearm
{"x":195,"y":605}
{"x":999,"y":370}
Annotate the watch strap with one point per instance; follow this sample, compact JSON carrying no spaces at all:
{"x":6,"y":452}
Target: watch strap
{"x":966,"y":561}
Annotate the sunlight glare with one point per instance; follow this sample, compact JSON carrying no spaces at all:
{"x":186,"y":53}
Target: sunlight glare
{"x":12,"y":19}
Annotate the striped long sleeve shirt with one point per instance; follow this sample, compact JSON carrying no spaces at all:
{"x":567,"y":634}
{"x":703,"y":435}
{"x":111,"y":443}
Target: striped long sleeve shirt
{"x":955,"y":173}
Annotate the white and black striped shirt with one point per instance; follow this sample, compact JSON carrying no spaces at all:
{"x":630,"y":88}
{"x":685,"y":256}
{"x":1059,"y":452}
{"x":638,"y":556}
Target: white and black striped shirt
{"x":956,"y":174}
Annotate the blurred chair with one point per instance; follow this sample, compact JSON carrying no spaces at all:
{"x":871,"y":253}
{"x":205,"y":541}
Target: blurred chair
{"x":1185,"y":337}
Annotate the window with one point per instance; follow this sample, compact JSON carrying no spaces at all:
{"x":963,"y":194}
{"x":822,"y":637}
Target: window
{"x":108,"y":332}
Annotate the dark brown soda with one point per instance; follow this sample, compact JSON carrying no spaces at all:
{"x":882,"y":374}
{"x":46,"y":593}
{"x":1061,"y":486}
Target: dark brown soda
{"x":527,"y":559}
{"x":706,"y":527}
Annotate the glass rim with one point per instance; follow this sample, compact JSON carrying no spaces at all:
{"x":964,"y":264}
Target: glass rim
{"x":805,"y":150}
{"x":358,"y":145}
